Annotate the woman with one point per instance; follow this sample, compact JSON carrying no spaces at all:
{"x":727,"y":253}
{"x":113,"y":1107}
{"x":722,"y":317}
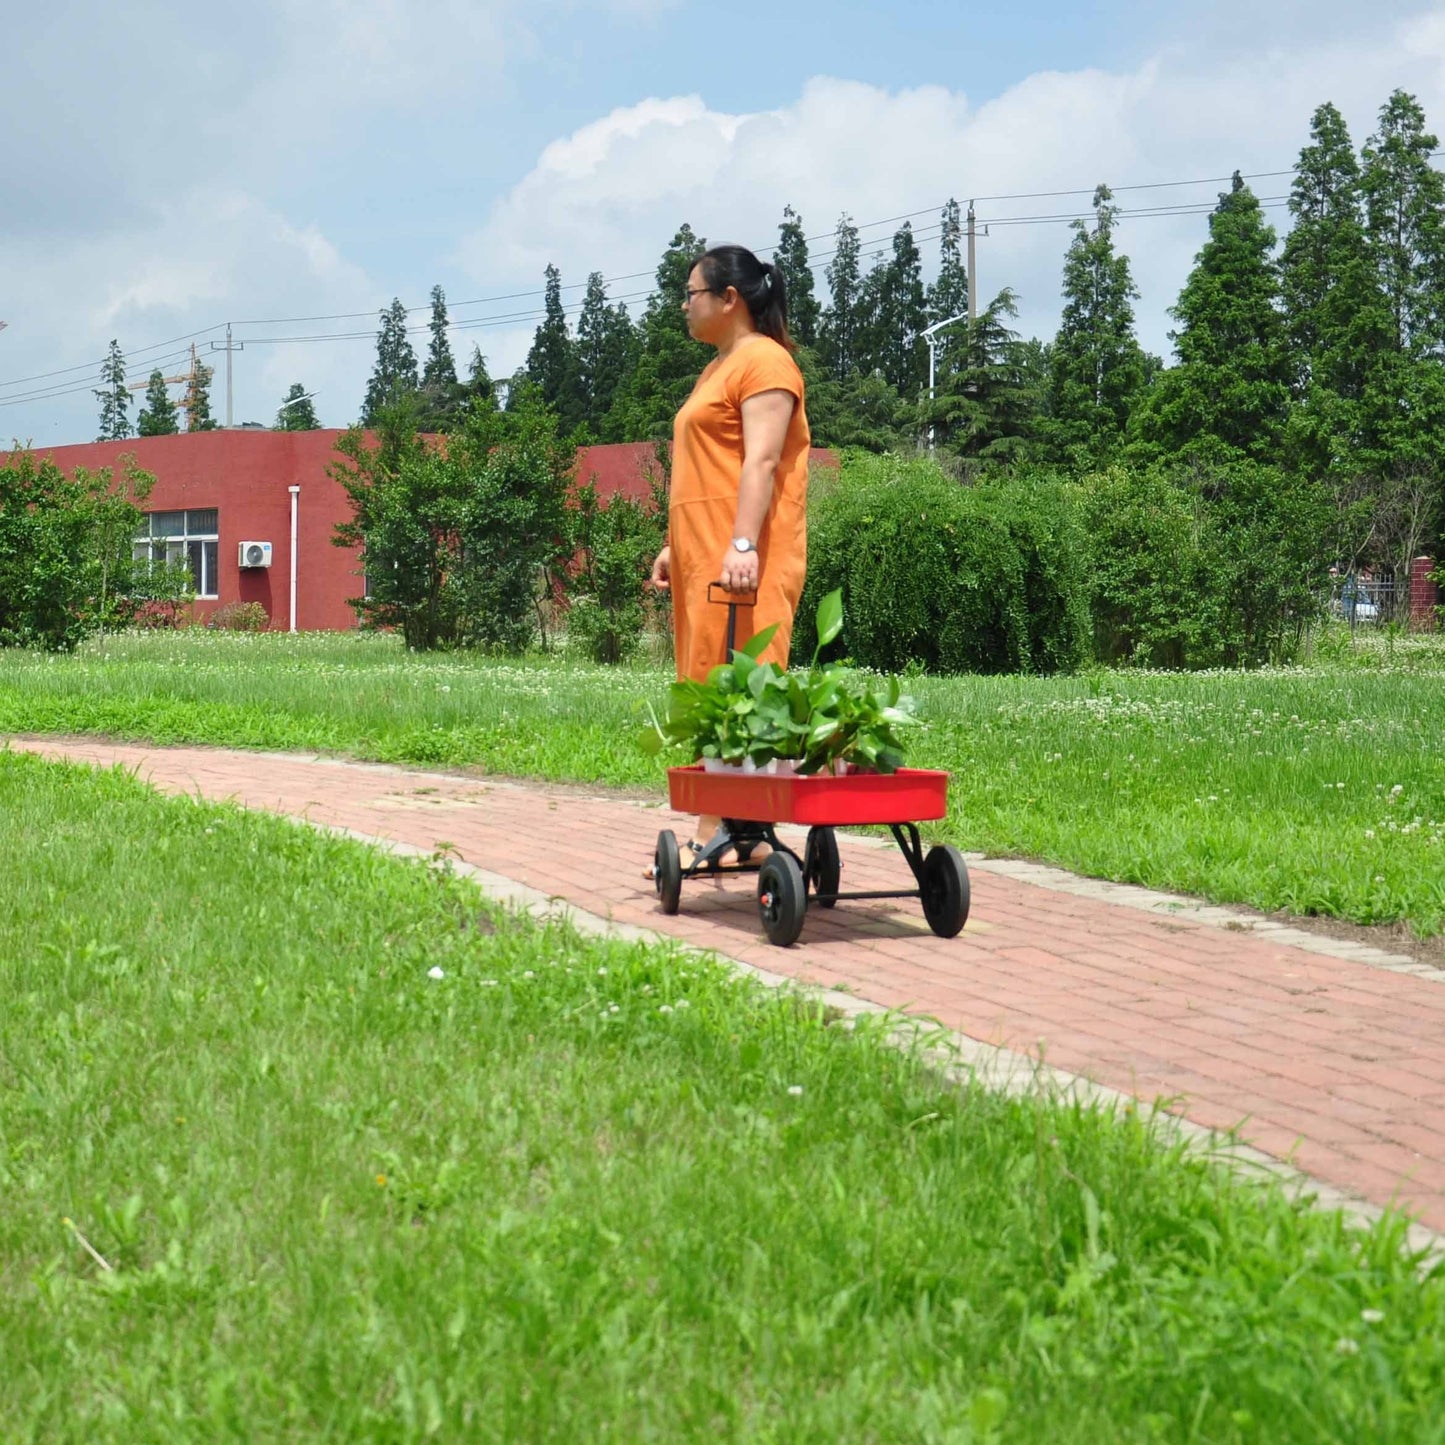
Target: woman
{"x":739,"y":473}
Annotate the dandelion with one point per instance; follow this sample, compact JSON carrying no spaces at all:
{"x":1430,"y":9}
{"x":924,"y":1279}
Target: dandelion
{"x":381,"y":1181}
{"x":795,"y":1090}
{"x":435,"y":972}
{"x":1372,"y":1317}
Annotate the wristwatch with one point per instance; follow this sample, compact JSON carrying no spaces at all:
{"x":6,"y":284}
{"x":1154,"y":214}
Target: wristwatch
{"x":741,"y":544}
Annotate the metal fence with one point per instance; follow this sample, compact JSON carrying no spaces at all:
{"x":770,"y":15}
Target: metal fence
{"x":1370,"y":601}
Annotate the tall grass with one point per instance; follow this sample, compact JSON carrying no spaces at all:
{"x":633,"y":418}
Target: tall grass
{"x":1318,"y":789}
{"x":301,"y":1143}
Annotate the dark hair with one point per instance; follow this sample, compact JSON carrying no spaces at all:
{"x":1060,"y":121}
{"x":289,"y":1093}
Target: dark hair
{"x":759,"y":283}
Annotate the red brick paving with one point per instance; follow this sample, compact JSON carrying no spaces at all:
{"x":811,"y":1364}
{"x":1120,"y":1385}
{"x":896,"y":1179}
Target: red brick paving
{"x":1329,"y":1062}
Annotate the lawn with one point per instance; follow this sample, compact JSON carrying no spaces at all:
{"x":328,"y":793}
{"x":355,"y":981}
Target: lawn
{"x":301,"y":1142}
{"x":1317,"y":789}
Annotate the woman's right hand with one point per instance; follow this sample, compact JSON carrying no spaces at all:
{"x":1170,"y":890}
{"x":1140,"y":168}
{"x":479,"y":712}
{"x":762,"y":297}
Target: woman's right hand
{"x":662,"y":570}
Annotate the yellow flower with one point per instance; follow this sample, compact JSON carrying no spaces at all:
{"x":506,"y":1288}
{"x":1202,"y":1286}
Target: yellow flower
{"x":381,"y":1180}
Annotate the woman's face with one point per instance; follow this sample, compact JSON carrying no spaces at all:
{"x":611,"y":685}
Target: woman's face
{"x":706,"y":312}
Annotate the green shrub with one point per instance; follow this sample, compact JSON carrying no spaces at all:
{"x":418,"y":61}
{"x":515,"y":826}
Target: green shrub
{"x":948,"y":578}
{"x":1204,"y":567}
{"x":614,"y":544}
{"x":240,"y":617}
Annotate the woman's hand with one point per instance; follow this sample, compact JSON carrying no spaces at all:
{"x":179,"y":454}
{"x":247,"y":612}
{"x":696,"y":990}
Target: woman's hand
{"x":662,"y":570}
{"x":739,"y":571}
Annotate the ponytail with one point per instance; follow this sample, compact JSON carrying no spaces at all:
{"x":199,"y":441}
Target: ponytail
{"x":759,"y":283}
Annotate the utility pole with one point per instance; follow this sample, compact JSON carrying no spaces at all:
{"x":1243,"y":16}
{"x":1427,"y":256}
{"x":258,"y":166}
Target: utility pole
{"x":228,"y":346}
{"x":972,"y":285}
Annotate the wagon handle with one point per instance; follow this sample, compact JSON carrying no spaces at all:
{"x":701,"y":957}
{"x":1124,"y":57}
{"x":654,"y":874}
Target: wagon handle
{"x":733,"y":602}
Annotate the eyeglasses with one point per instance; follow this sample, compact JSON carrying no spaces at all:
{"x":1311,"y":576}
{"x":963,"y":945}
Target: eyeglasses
{"x":692,"y":291}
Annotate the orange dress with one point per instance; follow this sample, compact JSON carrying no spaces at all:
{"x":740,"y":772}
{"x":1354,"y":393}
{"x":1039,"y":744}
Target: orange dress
{"x":707,"y":460}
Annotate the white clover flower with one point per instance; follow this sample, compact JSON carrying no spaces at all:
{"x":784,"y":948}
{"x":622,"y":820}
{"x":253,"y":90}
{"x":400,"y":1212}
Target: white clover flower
{"x":436,"y":972}
{"x":601,"y":973}
{"x":1397,"y":790}
{"x":489,"y":983}
{"x":1346,"y":1346}
{"x":1369,"y":832}
{"x":665,"y":1008}
{"x":683,"y":1003}
{"x":527,"y":973}
{"x":795,"y":1090}
{"x":1372,"y":1317}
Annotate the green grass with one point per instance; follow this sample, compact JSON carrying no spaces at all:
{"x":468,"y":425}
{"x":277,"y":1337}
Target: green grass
{"x":577,"y":1191}
{"x":1317,"y":790}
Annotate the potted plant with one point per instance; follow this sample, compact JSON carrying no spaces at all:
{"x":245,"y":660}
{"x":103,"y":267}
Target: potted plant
{"x":754,"y":716}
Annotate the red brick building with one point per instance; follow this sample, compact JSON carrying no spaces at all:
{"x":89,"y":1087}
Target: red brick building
{"x":217,"y":491}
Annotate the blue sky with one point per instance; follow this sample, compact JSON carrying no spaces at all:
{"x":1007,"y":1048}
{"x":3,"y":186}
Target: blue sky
{"x":171,"y":169}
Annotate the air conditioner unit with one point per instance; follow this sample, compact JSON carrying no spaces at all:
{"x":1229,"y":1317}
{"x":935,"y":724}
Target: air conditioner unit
{"x":255,"y":554}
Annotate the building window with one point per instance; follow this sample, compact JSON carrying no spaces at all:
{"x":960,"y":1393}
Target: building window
{"x":191,"y":537}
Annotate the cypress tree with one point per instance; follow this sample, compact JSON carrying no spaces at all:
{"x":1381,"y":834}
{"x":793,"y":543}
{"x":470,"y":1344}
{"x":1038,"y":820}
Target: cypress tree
{"x":297,"y":413}
{"x":440,"y":373}
{"x":838,"y":329}
{"x":158,"y":416}
{"x":1231,"y":388}
{"x":948,"y":296}
{"x":394,"y":376}
{"x":986,"y":406}
{"x":1405,"y":215}
{"x":1096,"y":366}
{"x":114,"y":399}
{"x":1335,"y":316}
{"x":606,"y":341}
{"x":898,"y":315}
{"x":792,"y":260}
{"x":668,"y":360}
{"x":551,"y":346}
{"x":198,"y":398}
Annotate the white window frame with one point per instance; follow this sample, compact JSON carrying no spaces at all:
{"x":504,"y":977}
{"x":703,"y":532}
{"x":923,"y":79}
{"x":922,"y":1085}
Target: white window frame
{"x":168,"y":546}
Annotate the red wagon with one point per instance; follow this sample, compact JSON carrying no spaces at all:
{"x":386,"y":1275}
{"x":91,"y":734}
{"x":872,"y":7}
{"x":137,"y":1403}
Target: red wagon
{"x":751,"y":804}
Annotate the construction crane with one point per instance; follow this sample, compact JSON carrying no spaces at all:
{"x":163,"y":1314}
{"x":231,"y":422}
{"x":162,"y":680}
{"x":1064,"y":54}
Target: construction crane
{"x":191,"y":380}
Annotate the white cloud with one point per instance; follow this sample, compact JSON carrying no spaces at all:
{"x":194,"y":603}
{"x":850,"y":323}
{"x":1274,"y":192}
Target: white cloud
{"x":609,"y":196}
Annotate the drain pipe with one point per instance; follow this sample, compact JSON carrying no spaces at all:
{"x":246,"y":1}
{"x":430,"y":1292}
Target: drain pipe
{"x":295,"y":500}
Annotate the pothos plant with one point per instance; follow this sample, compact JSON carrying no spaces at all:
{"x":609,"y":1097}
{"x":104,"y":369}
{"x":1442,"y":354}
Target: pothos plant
{"x":756,"y":711}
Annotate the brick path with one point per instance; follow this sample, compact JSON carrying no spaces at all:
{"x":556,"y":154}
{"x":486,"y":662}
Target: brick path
{"x":1336,"y":1063}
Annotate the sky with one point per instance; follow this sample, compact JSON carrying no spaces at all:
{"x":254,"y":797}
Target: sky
{"x":290,"y":166}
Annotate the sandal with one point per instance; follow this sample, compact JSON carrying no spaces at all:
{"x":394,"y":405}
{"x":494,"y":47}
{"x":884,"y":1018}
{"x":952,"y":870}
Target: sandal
{"x":693,"y":847}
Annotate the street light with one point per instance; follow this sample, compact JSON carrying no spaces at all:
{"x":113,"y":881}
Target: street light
{"x":928,"y":337}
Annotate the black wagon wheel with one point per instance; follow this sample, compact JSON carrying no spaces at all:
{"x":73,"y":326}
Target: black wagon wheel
{"x":667,"y":871}
{"x":782,"y":898}
{"x":945,"y":890}
{"x":823,"y":869}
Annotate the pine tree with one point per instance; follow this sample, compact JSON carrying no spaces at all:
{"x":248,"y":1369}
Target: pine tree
{"x":986,"y":407}
{"x":198,"y":398}
{"x":791,"y":257}
{"x":479,"y":386}
{"x":394,"y":375}
{"x":440,"y":372}
{"x":1405,"y":214}
{"x":838,"y":329}
{"x":297,"y":413}
{"x":114,"y":399}
{"x":668,"y":359}
{"x":158,"y":416}
{"x":1231,"y":389}
{"x":1096,"y":366}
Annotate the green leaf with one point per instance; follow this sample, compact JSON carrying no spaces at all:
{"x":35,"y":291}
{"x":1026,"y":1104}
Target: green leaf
{"x":830,"y":617}
{"x":754,"y":646}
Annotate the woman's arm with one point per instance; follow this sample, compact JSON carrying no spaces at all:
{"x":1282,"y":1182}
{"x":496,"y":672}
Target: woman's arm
{"x":766,"y":417}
